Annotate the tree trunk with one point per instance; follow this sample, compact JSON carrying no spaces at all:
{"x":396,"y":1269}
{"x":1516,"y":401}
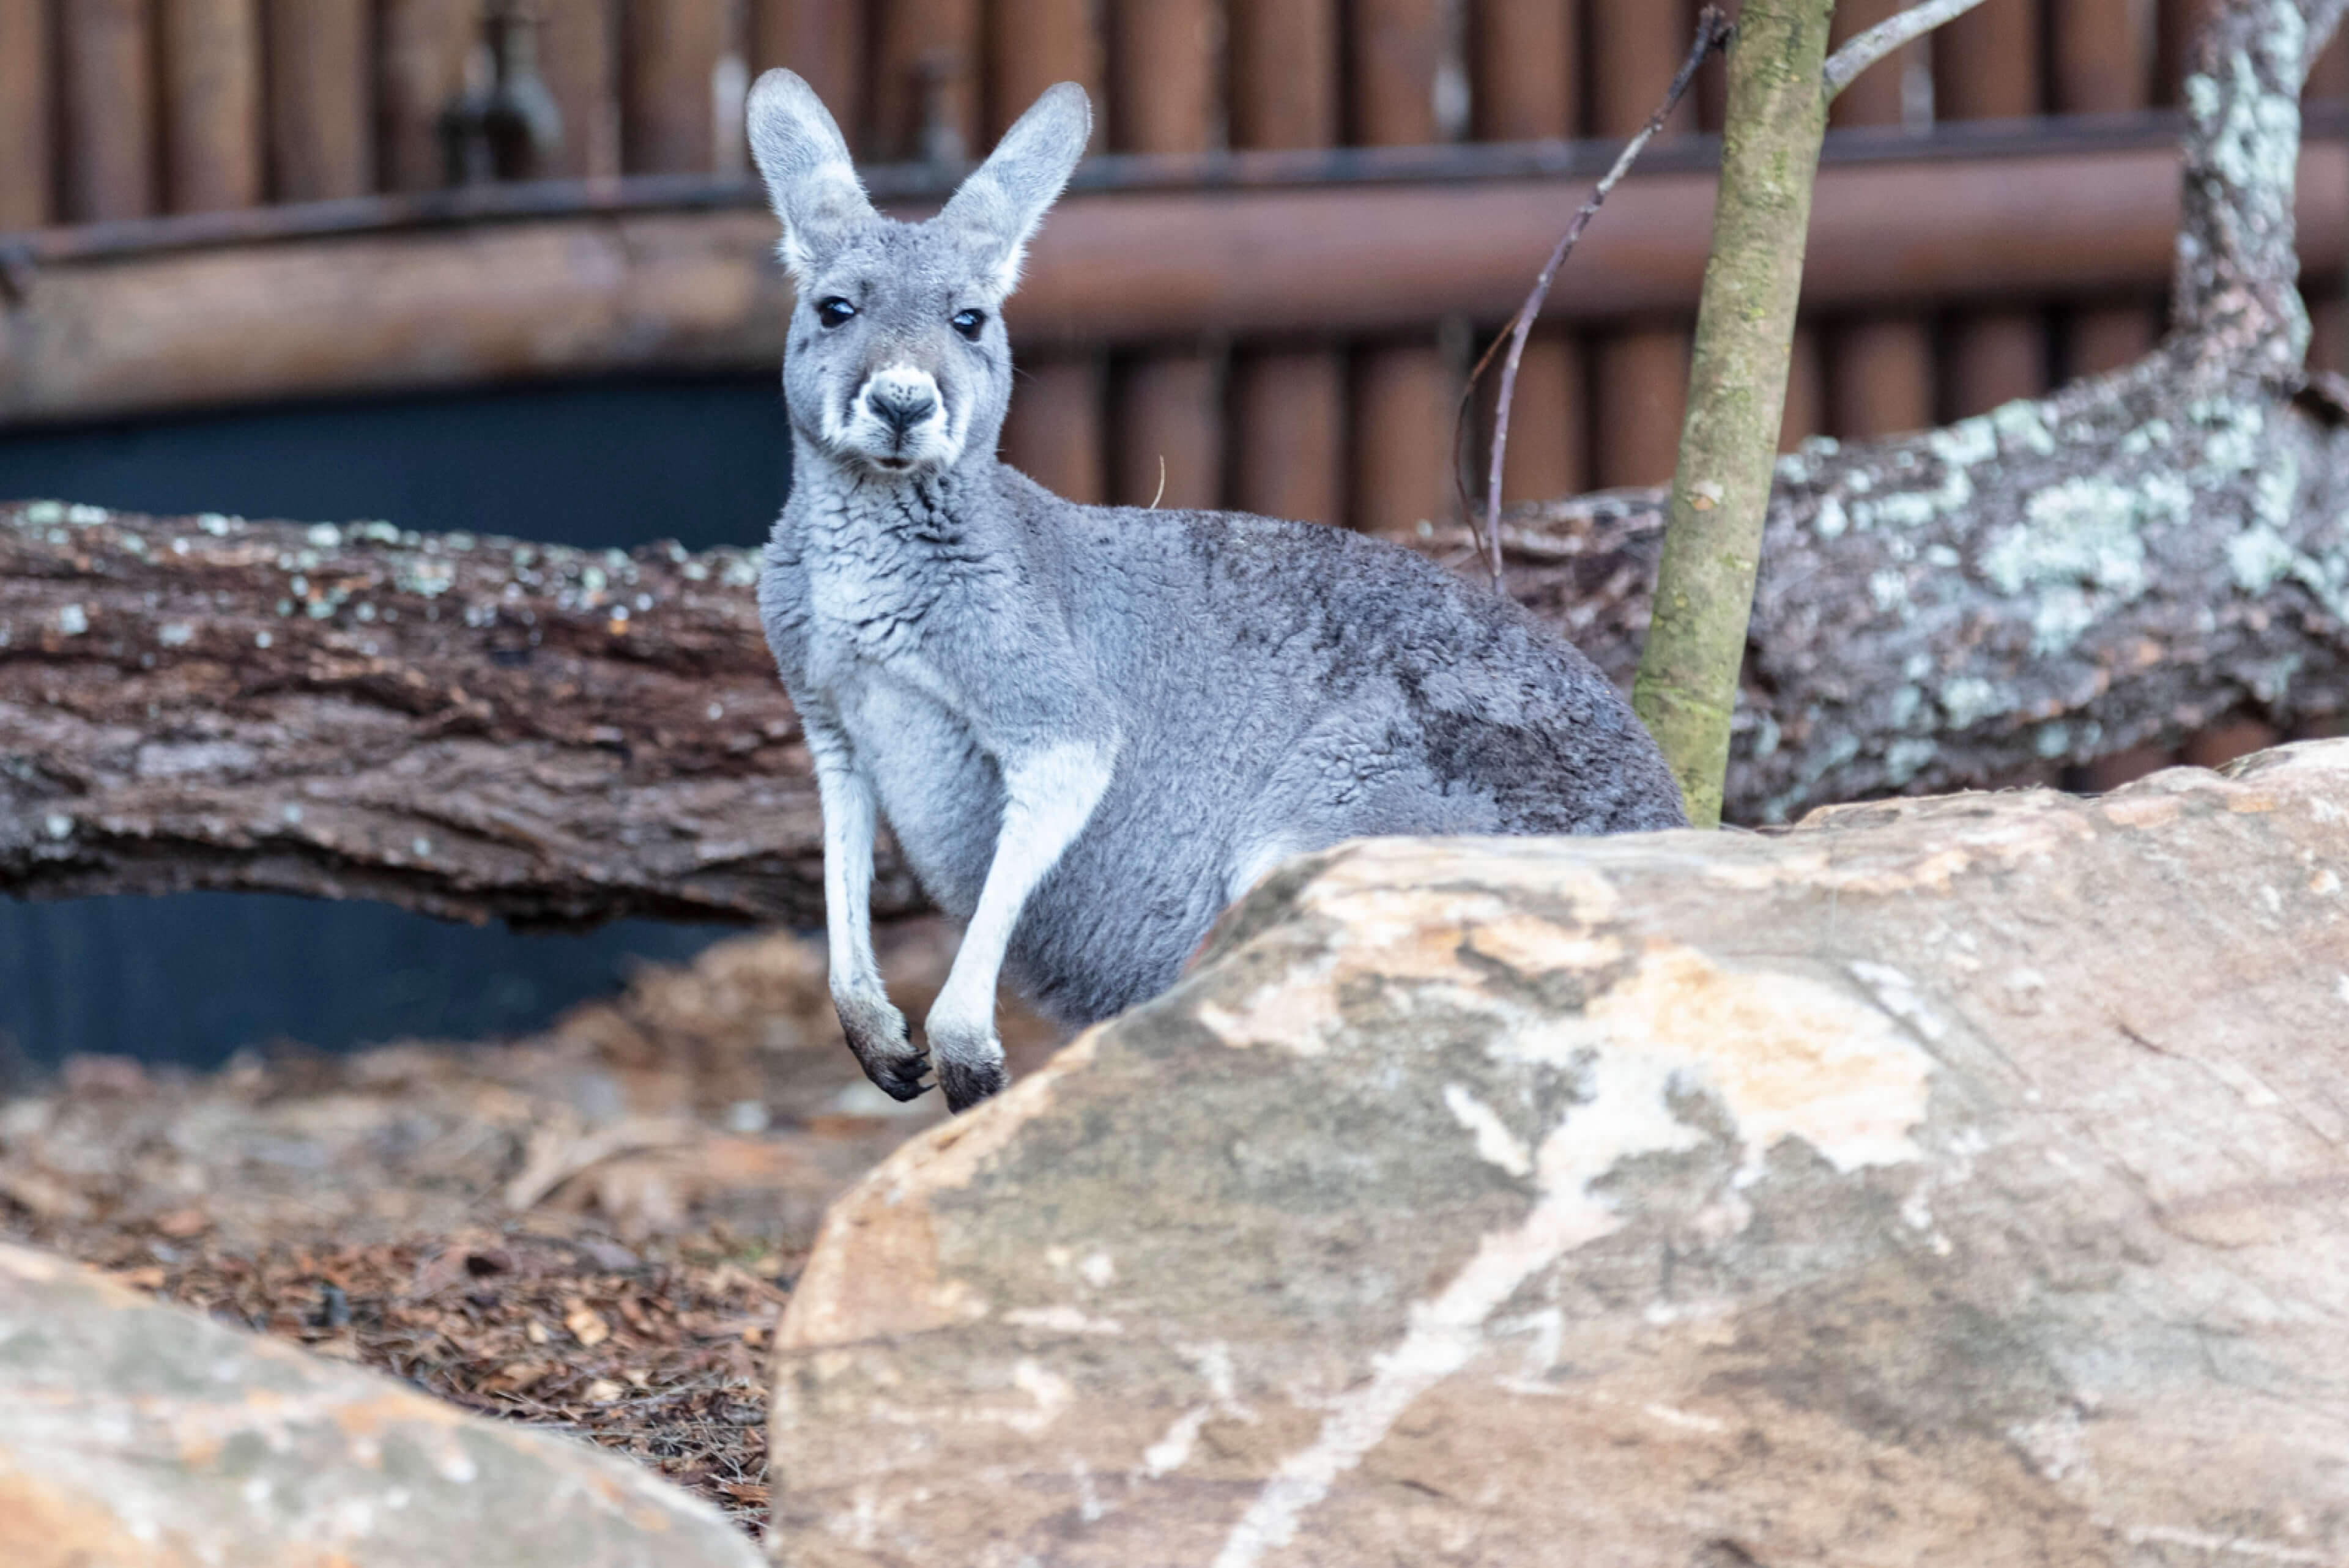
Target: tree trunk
{"x":1687,"y":688}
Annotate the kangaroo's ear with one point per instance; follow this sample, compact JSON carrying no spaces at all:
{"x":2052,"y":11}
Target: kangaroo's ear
{"x":810,"y":181}
{"x":1001,"y":205}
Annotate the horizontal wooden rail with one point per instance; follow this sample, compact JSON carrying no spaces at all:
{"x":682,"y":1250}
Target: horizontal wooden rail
{"x":238,"y":308}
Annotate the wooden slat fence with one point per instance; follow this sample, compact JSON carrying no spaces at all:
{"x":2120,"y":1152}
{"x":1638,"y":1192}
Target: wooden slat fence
{"x":125,"y":108}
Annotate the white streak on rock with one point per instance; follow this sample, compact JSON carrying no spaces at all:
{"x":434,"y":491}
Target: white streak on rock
{"x":1495,"y":1142}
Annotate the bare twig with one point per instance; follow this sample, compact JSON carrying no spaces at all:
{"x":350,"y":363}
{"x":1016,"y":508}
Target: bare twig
{"x":1859,"y":53}
{"x":1713,"y":31}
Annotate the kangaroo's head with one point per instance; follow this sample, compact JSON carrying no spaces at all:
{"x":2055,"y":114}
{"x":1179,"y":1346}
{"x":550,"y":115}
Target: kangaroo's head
{"x":897,"y":360}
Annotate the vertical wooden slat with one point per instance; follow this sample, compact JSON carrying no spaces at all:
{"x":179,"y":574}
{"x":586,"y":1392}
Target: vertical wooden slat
{"x":927,"y":78}
{"x":823,"y":41}
{"x":2328,"y":74}
{"x":1880,"y":378}
{"x":1639,"y":374}
{"x":1880,"y":369}
{"x":2328,"y":332}
{"x":2108,"y":337}
{"x":26,"y":71}
{"x":1032,"y":44}
{"x":2098,"y":51}
{"x":1289,"y":404}
{"x":421,"y":49}
{"x":211,"y":104}
{"x":1877,"y":95}
{"x":1639,"y":392}
{"x":1054,"y":432}
{"x":321,"y":146}
{"x":1164,"y":58}
{"x":106,"y":74}
{"x":2175,"y":23}
{"x":1988,"y":65}
{"x":1993,"y":357}
{"x":669,"y":112}
{"x":1636,"y":46}
{"x":1284,"y":73}
{"x":1288,"y":425}
{"x":1392,"y":47}
{"x":1400,"y":430}
{"x":579,"y":58}
{"x":1525,"y":64}
{"x":1168,"y":430}
{"x":1166,"y":416}
{"x":1549,"y":422}
{"x":1805,"y":414}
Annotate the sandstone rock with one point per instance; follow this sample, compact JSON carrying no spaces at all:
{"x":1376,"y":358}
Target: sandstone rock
{"x":1950,"y":1182}
{"x":140,"y":1436}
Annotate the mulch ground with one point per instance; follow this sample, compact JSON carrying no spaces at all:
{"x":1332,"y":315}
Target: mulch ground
{"x":593,"y":1232}
{"x":655,"y":1352}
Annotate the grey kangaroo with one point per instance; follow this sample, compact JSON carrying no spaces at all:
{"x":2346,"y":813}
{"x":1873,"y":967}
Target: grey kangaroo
{"x":1092,"y":728}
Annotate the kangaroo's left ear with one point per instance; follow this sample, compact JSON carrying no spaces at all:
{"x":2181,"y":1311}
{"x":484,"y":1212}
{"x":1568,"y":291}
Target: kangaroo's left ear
{"x":1001,"y":205}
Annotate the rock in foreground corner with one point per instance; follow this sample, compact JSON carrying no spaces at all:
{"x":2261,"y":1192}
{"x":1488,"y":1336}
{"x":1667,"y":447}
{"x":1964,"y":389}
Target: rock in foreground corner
{"x":134,"y":1435}
{"x":1952,"y":1181}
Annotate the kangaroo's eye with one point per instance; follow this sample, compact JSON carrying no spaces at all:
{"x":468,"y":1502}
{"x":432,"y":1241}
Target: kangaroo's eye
{"x":969,"y":323}
{"x":835,"y":311}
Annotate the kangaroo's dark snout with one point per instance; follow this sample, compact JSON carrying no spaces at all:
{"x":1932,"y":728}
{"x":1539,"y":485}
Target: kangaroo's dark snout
{"x":900,"y":407}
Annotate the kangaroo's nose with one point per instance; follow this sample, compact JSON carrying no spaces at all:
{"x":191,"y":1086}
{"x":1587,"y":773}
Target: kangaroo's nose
{"x":902,"y":407}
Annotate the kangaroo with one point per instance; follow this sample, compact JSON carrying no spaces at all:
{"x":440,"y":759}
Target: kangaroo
{"x":1092,"y":728}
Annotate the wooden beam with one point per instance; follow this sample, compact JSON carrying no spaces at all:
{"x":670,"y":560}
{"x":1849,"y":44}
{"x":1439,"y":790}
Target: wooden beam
{"x":615,"y":293}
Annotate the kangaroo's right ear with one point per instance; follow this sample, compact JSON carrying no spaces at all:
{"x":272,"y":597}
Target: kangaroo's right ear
{"x":810,"y":182}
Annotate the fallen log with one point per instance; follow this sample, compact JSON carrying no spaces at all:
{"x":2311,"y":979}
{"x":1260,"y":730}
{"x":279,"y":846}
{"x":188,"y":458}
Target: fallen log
{"x":468,"y":726}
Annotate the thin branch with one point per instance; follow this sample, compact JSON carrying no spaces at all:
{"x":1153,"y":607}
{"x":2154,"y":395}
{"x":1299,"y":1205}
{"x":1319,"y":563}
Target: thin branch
{"x":1859,"y":53}
{"x":1712,"y":31}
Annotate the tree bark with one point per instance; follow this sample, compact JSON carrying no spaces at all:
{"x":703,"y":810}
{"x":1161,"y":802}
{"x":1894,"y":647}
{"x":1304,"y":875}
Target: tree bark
{"x":467,"y":727}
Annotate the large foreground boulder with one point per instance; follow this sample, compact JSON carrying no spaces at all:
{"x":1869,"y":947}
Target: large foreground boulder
{"x":140,"y":1436}
{"x":1951,"y":1182}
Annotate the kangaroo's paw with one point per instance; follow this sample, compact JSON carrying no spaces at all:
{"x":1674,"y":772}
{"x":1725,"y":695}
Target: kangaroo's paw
{"x":968,"y":1082}
{"x":876,"y":1033}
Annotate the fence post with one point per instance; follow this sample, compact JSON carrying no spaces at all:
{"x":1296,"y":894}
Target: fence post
{"x":1987,"y":65}
{"x":211,"y":104}
{"x":320,"y":114}
{"x":1402,"y":392}
{"x":1525,"y":66}
{"x":26,"y":69}
{"x":1054,"y":432}
{"x":1640,"y":372}
{"x":1880,"y":369}
{"x":1166,"y":413}
{"x":107,"y":72}
{"x":1288,"y":417}
{"x":420,"y":50}
{"x":927,"y":82}
{"x":578,"y":57}
{"x":669,"y":112}
{"x":2099,"y":50}
{"x":823,"y":41}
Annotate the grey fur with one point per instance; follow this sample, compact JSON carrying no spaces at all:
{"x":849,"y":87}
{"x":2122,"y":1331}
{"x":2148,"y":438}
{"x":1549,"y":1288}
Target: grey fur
{"x":1092,"y":728}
